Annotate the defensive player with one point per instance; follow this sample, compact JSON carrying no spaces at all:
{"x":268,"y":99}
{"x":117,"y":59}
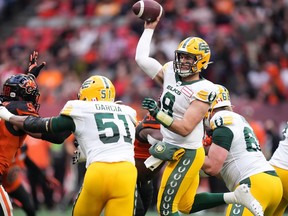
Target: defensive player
{"x":280,"y":163}
{"x":185,"y":100}
{"x":20,"y":96}
{"x":105,"y":131}
{"x":148,"y":126}
{"x":235,"y":153}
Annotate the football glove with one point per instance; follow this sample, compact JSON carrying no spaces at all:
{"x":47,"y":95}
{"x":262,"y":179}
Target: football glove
{"x":160,"y":116}
{"x":285,"y":131}
{"x":151,"y":106}
{"x":33,"y":69}
{"x":76,"y":156}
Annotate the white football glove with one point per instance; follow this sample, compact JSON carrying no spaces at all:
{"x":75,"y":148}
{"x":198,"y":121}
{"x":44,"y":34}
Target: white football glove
{"x":285,"y":131}
{"x":78,"y":156}
{"x":4,"y":113}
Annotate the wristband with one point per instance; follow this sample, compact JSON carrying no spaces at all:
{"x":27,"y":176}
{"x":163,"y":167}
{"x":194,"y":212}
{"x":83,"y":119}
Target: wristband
{"x":164,"y":119}
{"x":5,"y":114}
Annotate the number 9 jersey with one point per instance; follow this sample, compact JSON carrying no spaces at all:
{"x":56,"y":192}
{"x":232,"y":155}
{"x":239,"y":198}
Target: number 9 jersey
{"x":175,"y":100}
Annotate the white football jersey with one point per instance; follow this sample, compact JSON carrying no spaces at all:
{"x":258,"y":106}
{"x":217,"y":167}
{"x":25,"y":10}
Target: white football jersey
{"x":280,"y":156}
{"x":104,"y":130}
{"x":175,"y":100}
{"x":245,"y":157}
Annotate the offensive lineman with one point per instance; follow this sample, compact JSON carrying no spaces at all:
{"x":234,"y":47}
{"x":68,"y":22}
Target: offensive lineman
{"x":236,"y":155}
{"x":105,"y":131}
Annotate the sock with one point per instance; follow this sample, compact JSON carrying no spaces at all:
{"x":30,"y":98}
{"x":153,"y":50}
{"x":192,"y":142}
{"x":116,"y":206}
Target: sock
{"x":206,"y":201}
{"x":229,"y":198}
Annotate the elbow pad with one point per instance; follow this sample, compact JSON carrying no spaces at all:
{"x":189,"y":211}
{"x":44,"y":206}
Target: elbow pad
{"x":37,"y":124}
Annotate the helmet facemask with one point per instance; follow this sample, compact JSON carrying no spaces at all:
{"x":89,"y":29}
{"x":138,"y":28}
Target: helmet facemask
{"x":197,"y":52}
{"x":191,"y":65}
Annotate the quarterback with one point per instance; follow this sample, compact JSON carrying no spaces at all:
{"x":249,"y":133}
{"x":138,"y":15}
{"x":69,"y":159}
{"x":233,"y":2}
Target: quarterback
{"x":105,"y":131}
{"x":185,"y":99}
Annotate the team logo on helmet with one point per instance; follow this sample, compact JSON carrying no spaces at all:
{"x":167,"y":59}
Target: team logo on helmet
{"x":29,"y":85}
{"x":204,"y":47}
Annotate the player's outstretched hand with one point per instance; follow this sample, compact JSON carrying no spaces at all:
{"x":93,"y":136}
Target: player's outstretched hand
{"x":33,"y":68}
{"x":151,"y":105}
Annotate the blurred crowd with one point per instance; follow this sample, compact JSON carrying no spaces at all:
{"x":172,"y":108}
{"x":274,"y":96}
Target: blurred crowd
{"x":80,"y":38}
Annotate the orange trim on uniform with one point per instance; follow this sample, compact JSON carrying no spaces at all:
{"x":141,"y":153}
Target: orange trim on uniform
{"x":6,"y":202}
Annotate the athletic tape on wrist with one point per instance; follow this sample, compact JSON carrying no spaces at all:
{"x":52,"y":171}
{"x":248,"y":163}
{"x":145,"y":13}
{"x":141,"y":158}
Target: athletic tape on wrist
{"x":164,"y":119}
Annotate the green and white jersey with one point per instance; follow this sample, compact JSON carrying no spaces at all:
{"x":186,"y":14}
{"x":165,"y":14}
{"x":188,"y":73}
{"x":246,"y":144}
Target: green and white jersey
{"x":105,"y":131}
{"x":244,"y":159}
{"x":175,"y":100}
{"x":280,"y":156}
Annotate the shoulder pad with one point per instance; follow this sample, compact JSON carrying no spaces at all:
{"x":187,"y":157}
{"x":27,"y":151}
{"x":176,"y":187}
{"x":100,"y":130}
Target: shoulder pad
{"x":207,"y":96}
{"x":206,"y":91}
{"x":221,"y":121}
{"x":166,"y":66}
{"x":67,"y":109}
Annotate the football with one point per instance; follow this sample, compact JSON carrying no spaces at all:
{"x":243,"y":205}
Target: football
{"x":147,"y":10}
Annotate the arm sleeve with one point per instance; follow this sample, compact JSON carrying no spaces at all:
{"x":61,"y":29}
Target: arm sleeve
{"x":62,"y":123}
{"x":56,"y":138}
{"x":223,"y":137}
{"x":48,"y":125}
{"x":149,"y":65}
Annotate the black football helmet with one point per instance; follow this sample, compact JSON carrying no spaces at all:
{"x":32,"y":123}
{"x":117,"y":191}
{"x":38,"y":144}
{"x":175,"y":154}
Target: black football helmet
{"x":21,"y":87}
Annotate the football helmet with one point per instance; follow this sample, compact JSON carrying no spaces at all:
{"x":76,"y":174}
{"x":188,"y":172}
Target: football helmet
{"x":97,"y":88}
{"x":195,"y":49}
{"x":222,"y":99}
{"x":21,"y":87}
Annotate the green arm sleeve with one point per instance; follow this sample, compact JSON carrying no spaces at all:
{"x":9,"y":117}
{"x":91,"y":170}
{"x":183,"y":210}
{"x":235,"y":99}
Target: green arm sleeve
{"x":223,"y":137}
{"x":62,"y":123}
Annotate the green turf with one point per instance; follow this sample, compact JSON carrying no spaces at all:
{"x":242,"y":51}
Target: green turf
{"x":43,"y":212}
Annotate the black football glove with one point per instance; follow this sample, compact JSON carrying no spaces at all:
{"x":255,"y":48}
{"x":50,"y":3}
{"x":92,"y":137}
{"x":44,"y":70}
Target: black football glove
{"x":33,"y":69}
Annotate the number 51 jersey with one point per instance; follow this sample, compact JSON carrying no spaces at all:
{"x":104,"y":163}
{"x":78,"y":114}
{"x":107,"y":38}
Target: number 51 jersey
{"x":105,"y":131}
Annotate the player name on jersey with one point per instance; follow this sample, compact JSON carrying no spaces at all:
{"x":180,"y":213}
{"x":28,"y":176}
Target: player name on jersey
{"x":113,"y":108}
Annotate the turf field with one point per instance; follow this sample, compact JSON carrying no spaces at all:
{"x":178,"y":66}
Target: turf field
{"x":19,"y":212}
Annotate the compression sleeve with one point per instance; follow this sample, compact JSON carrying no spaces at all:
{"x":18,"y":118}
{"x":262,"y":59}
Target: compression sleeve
{"x":149,"y":65}
{"x":43,"y":125}
{"x":62,"y":123}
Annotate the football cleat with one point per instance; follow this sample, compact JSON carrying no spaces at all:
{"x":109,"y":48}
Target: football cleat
{"x":245,"y":198}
